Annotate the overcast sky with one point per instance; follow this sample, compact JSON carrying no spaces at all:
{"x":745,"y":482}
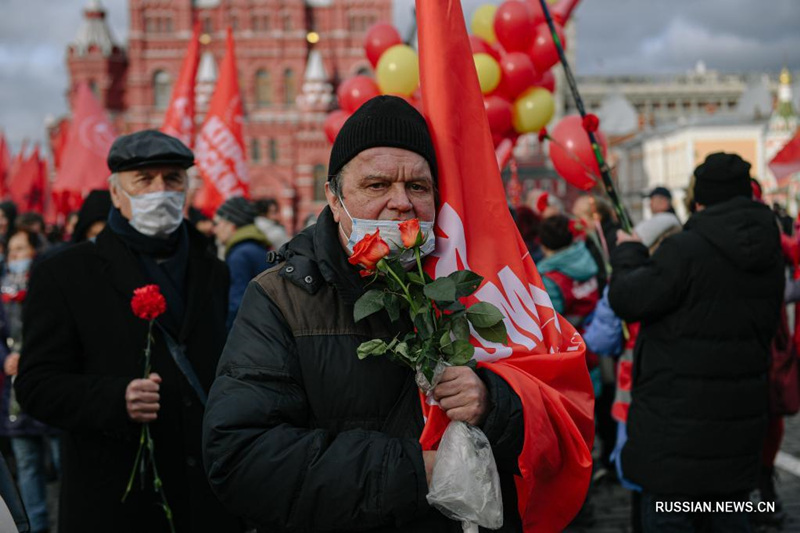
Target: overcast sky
{"x":614,"y":37}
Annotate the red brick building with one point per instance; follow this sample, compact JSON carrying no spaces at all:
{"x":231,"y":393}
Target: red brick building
{"x":286,"y":78}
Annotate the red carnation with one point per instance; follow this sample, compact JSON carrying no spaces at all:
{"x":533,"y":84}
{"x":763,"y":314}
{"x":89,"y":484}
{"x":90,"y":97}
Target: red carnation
{"x":148,"y":303}
{"x":542,"y":202}
{"x":369,"y":250}
{"x":577,"y":228}
{"x":591,"y":122}
{"x":543,"y":135}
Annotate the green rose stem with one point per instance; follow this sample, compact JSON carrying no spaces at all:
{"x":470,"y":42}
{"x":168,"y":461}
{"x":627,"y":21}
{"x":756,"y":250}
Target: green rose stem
{"x":146,"y":439}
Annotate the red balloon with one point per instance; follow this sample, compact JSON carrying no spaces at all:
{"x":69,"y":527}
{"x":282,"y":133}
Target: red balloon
{"x":334,"y":122}
{"x":498,"y":111}
{"x":512,"y":25}
{"x":543,"y":51}
{"x":572,"y":154}
{"x":518,"y":75}
{"x":546,"y":81}
{"x":479,"y":46}
{"x":353,"y":92}
{"x":537,"y":15}
{"x":379,"y":38}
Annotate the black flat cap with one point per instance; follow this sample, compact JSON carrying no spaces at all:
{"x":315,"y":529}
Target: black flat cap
{"x":148,"y":148}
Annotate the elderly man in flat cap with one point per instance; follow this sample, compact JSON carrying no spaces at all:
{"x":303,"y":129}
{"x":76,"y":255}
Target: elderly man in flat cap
{"x":83,"y":361}
{"x":301,"y":435}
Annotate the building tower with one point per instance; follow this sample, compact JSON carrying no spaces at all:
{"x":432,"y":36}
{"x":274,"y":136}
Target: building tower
{"x":95,"y":58}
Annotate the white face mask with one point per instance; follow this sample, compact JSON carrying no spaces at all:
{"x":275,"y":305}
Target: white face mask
{"x":390,"y":232}
{"x":19,"y":266}
{"x":156,"y":214}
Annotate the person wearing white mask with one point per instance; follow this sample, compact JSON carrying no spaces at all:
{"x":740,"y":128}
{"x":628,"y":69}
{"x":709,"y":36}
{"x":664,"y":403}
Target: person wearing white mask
{"x":294,"y":418}
{"x":82,"y":365}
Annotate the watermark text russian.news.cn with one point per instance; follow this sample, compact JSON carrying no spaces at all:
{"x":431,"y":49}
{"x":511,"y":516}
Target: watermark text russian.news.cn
{"x":715,"y":507}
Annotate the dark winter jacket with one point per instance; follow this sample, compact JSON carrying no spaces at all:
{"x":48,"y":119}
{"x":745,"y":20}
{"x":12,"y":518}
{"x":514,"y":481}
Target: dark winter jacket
{"x":83,"y":346}
{"x":301,"y":435}
{"x":246,"y":257}
{"x":709,"y":302}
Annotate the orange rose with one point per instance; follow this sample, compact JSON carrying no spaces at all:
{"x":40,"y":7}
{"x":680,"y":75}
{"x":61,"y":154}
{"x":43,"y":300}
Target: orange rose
{"x":409,"y":232}
{"x":369,"y":250}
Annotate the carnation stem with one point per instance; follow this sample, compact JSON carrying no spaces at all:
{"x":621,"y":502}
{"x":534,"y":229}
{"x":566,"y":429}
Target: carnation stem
{"x":158,"y":485}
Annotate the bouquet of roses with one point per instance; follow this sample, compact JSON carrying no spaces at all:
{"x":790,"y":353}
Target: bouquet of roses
{"x":465,"y":484}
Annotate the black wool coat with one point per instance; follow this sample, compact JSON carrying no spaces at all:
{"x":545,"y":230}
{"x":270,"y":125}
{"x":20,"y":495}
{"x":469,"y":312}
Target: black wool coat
{"x":83,"y":345}
{"x":708,"y":301}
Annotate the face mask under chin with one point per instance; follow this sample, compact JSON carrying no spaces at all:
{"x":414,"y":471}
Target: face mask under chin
{"x":390,"y":233}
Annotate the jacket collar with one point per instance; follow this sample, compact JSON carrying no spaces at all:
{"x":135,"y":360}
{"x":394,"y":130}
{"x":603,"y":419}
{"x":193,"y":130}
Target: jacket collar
{"x":125,"y":274}
{"x":315,"y":256}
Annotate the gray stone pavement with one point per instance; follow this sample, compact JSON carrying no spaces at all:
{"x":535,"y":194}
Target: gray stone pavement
{"x":612,"y":506}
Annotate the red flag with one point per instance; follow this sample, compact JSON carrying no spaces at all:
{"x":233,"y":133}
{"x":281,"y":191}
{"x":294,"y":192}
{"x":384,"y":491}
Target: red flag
{"x":544,"y":361}
{"x":5,"y":164}
{"x":179,"y":118}
{"x":787,"y":161}
{"x":220,"y":143}
{"x":26,"y":185}
{"x":58,"y":140}
{"x":83,"y":163}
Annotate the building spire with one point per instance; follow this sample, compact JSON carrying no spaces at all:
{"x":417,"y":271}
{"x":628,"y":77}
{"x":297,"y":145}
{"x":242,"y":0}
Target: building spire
{"x":317,"y":92}
{"x":784,"y":117}
{"x":94,"y":34}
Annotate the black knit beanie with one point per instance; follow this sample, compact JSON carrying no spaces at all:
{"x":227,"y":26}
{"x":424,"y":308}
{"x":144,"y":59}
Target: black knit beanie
{"x":237,"y":210}
{"x":721,"y":177}
{"x":382,"y":121}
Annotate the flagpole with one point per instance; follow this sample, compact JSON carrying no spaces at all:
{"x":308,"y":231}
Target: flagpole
{"x":605,"y":172}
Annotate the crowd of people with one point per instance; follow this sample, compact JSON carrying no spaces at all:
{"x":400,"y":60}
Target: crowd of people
{"x":680,"y":323}
{"x":262,"y":415}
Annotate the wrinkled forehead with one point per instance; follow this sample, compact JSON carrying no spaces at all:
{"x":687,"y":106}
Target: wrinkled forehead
{"x":388,"y":161}
{"x":167,"y":171}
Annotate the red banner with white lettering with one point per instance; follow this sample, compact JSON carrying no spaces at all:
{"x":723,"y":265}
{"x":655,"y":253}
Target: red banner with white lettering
{"x":89,"y":137}
{"x":220,"y":151}
{"x":179,"y":118}
{"x":544,"y":361}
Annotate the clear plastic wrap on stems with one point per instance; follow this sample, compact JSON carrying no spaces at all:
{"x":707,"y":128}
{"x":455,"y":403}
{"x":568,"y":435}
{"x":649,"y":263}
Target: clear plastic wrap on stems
{"x":465,"y":485}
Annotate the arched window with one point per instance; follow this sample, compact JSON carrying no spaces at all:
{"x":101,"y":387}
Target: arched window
{"x":273,"y":151}
{"x":290,"y":91}
{"x":255,"y":151}
{"x":162,"y":87}
{"x":320,"y":179}
{"x":93,"y":88}
{"x":263,"y":89}
{"x":207,"y":26}
{"x":287,"y":22}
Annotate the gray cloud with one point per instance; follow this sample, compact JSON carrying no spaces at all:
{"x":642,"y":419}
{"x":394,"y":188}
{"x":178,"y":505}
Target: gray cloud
{"x":614,"y":37}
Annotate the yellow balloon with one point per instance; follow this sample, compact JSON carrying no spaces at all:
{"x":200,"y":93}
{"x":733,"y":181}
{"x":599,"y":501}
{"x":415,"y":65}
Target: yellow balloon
{"x":398,"y":70}
{"x":488,"y":72}
{"x":533,"y":110}
{"x":483,"y":23}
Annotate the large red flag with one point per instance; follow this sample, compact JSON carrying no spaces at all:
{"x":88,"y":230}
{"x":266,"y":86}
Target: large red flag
{"x":26,"y":184}
{"x":5,"y":164}
{"x":179,"y":118}
{"x":544,"y":361}
{"x":220,"y":144}
{"x":90,"y":135}
{"x":787,"y":161}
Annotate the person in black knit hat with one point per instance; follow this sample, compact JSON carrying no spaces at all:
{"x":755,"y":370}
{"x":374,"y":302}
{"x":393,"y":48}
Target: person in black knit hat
{"x":245,"y":247}
{"x":294,"y":418}
{"x":708,"y":301}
